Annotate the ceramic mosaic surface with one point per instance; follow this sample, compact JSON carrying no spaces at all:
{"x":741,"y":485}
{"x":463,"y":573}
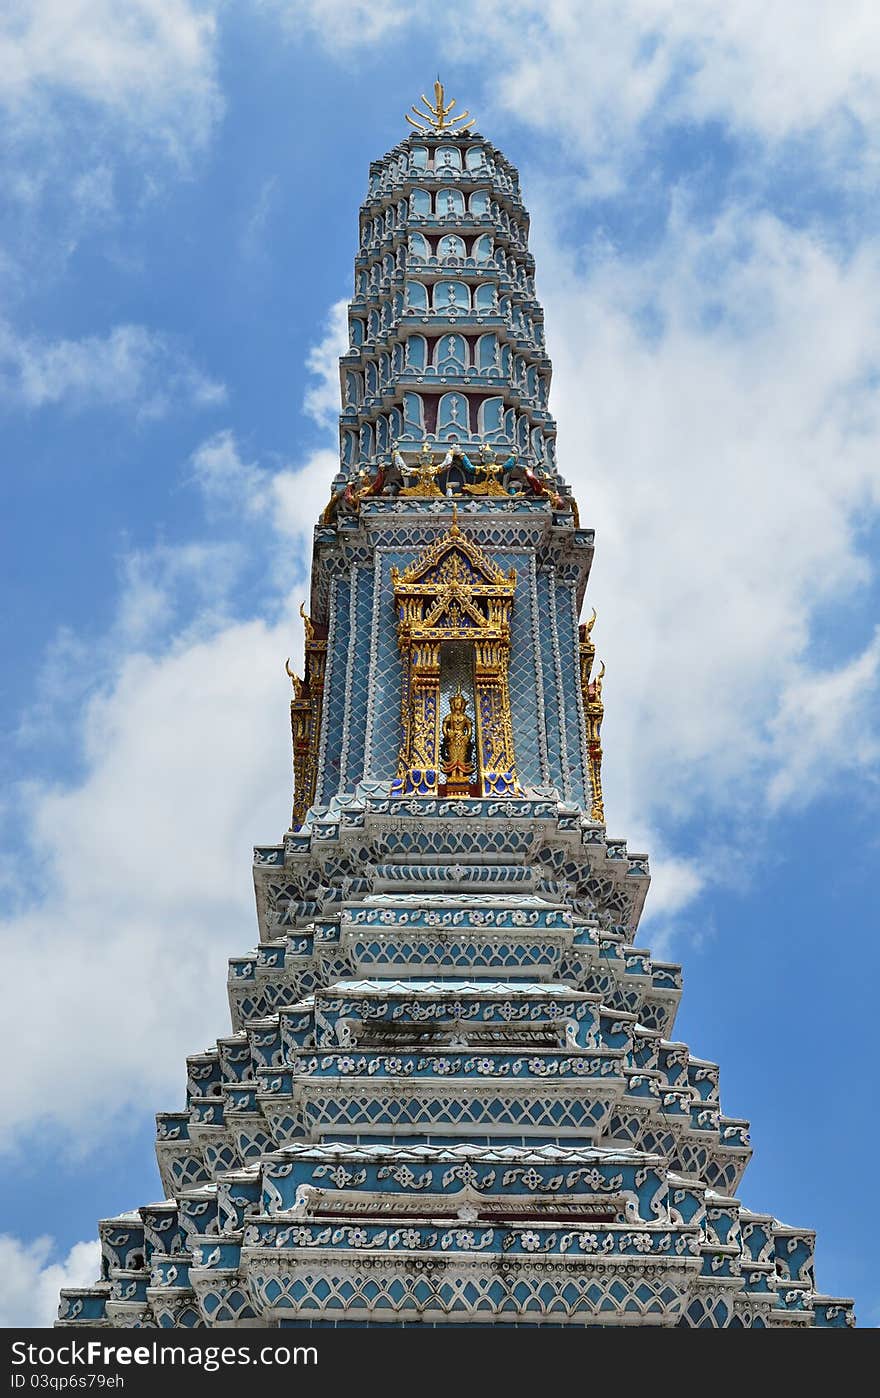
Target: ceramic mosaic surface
{"x":451,"y":1091}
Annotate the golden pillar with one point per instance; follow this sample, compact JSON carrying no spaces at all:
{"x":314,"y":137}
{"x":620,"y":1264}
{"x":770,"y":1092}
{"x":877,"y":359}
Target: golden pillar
{"x":594,"y":711}
{"x":306,"y":709}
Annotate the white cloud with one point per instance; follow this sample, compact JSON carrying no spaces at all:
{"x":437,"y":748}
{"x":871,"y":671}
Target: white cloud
{"x":182,"y":735}
{"x":728,"y":456}
{"x":30,"y":1282}
{"x":289,"y":499}
{"x":322,"y":400}
{"x":226,"y":479}
{"x":602,"y":75}
{"x":343,"y":24}
{"x":253,"y":235}
{"x":101,"y":103}
{"x":826,"y":725}
{"x":131,"y":365}
{"x":148,"y":64}
{"x":187,"y":761}
{"x":165,"y":585}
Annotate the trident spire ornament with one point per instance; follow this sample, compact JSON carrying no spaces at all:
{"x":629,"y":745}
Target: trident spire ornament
{"x":434,"y":116}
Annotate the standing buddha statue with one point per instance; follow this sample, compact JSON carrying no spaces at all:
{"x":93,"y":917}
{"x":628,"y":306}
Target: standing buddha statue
{"x":457,"y":748}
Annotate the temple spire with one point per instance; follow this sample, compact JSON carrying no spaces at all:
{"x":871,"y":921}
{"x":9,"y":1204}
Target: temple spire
{"x":451,"y":1092}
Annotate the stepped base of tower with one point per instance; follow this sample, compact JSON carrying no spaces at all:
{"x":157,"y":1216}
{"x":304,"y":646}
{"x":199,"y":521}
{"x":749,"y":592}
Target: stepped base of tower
{"x":451,"y":1096}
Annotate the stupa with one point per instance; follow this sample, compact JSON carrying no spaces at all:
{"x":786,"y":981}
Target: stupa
{"x":451,"y":1092}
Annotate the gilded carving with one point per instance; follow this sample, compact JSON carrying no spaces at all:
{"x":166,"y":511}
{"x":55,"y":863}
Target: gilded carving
{"x":453,"y":594}
{"x":594,"y":710}
{"x":457,"y":747}
{"x":306,"y":708}
{"x":435,"y":116}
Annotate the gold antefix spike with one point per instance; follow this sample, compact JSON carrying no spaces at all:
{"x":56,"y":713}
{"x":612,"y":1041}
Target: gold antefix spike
{"x":433,"y":118}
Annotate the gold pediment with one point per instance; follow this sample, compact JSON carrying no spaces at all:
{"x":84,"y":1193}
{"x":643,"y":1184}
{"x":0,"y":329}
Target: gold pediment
{"x":453,"y":559}
{"x":454,"y":610}
{"x":453,"y":596}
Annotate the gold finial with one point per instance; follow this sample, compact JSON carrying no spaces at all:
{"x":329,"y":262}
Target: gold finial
{"x":307,"y":620}
{"x":298,"y":684}
{"x":435,"y":115}
{"x":454,"y":529}
{"x":588,"y":626}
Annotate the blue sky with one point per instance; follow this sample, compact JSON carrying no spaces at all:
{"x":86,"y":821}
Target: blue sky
{"x":181,"y":187}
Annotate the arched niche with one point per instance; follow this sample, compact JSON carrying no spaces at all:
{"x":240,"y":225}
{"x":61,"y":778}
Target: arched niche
{"x":453,"y":606}
{"x":483,"y":248}
{"x":447,"y":158}
{"x":488,"y":355}
{"x":413,"y":417}
{"x":416,"y":296}
{"x":484,"y":297}
{"x":416,"y":354}
{"x":453,"y":417}
{"x":451,"y":245}
{"x":451,"y":354}
{"x":490,"y":420}
{"x":450,"y":203}
{"x":452,"y":298}
{"x":349,"y":448}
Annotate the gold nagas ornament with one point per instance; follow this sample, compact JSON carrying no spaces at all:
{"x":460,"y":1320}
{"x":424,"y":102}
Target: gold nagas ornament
{"x":306,"y":709}
{"x":594,"y":711}
{"x":452,"y":593}
{"x":433,"y":119}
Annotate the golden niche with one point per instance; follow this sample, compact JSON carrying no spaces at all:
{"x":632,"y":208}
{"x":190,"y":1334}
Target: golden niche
{"x":453,"y":606}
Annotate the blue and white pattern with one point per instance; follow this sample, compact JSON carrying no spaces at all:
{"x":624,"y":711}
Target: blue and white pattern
{"x":450,"y":1093}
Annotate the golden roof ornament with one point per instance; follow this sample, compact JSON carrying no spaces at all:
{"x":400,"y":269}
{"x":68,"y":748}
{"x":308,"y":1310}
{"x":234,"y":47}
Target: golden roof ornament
{"x":434,"y":118}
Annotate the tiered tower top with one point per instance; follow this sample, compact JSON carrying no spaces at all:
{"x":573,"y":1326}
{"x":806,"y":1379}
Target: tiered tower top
{"x":447,"y":336}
